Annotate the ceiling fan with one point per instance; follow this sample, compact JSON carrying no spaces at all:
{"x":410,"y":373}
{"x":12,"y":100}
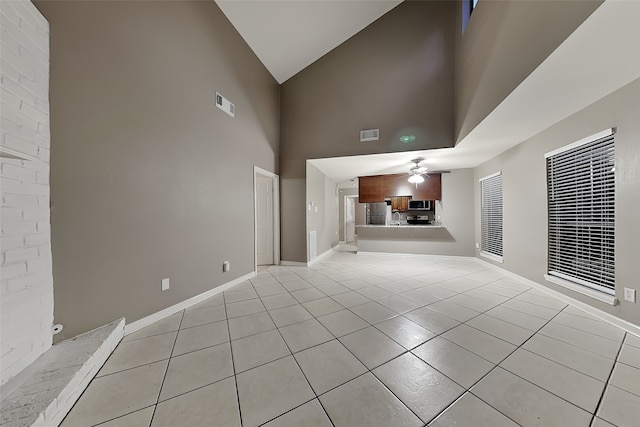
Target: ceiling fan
{"x":417,"y":173}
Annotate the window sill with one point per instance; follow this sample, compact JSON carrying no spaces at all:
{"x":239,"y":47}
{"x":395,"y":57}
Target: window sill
{"x":492,"y":257}
{"x":600,"y":296}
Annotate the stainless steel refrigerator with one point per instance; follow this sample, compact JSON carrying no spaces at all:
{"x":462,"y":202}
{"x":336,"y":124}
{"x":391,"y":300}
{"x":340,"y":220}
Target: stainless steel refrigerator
{"x":376,"y":213}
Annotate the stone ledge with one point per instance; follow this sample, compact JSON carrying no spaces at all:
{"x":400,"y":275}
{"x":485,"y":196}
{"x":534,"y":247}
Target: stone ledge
{"x":44,"y":392}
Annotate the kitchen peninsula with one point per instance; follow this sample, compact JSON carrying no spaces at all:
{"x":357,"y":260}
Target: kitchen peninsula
{"x":410,"y":239}
{"x":450,"y":228}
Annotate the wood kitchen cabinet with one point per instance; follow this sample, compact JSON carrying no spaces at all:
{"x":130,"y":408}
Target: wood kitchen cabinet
{"x":430,"y":189}
{"x":399,"y":185}
{"x":371,"y":189}
{"x":400,"y":203}
{"x":375,"y":188}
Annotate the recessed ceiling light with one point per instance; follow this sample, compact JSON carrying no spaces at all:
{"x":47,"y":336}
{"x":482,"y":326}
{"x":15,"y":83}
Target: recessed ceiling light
{"x":407,"y":138}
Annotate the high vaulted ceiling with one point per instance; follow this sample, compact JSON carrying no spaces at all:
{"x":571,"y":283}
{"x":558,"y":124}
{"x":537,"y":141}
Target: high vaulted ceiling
{"x":578,"y":73}
{"x":289,"y":35}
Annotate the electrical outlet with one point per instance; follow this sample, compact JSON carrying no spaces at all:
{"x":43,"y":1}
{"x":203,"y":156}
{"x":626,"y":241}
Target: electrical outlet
{"x":226,"y":266}
{"x":477,"y":245}
{"x":629,"y":294}
{"x":165,"y":284}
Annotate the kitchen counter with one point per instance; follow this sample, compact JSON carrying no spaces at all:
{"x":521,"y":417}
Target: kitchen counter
{"x":402,"y":226}
{"x":406,"y":238}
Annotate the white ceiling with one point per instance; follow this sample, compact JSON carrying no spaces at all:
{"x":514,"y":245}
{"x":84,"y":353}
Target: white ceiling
{"x":289,"y":35}
{"x":600,"y":57}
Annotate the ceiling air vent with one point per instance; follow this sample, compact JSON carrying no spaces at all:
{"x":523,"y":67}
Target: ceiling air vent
{"x":225,"y":105}
{"x":369,"y":135}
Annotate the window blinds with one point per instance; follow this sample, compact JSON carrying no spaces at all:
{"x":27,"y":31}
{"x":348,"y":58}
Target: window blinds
{"x":491,"y":216}
{"x":581,"y":212}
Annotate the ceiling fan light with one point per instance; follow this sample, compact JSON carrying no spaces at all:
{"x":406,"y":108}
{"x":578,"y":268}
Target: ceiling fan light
{"x":416,"y":179}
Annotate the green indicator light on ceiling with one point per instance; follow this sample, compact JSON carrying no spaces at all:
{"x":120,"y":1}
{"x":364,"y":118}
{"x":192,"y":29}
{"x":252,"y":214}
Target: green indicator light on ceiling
{"x":407,"y":138}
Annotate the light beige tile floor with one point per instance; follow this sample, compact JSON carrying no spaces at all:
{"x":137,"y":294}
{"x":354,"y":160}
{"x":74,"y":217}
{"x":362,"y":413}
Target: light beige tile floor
{"x":371,"y":340}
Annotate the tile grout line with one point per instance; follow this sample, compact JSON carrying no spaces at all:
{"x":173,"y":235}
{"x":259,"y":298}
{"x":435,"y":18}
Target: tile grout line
{"x":164,"y":377}
{"x":176,"y":355}
{"x":607,"y":383}
{"x":468,"y":389}
{"x":101,"y":423}
{"x":368,"y":370}
{"x":233,"y":362}
{"x":456,"y":401}
{"x":569,"y":367}
{"x":298,"y":365}
{"x":524,"y":379}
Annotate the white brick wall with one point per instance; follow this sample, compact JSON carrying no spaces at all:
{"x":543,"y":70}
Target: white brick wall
{"x":26,"y":282}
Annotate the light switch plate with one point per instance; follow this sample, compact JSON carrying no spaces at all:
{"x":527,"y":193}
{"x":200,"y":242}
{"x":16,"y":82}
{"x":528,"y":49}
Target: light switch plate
{"x":165,"y":284}
{"x":629,"y":294}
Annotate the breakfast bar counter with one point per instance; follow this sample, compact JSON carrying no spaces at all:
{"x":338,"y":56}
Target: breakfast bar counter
{"x":407,"y":238}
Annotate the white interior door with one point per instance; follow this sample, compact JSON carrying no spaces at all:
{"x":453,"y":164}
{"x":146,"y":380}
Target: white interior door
{"x":349,"y":219}
{"x":264,"y":203}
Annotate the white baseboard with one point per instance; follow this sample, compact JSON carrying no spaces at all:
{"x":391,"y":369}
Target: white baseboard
{"x":293,"y":263}
{"x":595,"y":312}
{"x":456,"y":257}
{"x":319,"y":257}
{"x":159,"y":315}
{"x":307,"y":264}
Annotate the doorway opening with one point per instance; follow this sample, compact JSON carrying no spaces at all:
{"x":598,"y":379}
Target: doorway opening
{"x":266,"y":217}
{"x":350,"y":238}
{"x":350,"y":218}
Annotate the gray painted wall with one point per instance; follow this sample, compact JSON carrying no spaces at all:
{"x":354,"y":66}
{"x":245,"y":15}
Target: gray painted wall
{"x":525,"y":195}
{"x":456,"y":210}
{"x":361,"y":214}
{"x":149,"y":179}
{"x":502,"y":44}
{"x":323,"y":193}
{"x":396,"y":75}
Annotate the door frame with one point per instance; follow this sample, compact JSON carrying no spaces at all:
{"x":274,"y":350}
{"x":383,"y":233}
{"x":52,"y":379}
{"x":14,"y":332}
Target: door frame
{"x":275,"y":179}
{"x":344,"y":214}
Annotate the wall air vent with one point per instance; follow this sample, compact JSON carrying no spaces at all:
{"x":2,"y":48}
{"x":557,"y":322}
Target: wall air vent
{"x":369,"y":135}
{"x":225,"y":105}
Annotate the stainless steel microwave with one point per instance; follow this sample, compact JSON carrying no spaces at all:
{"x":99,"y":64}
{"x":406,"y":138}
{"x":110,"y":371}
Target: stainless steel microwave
{"x":420,"y":205}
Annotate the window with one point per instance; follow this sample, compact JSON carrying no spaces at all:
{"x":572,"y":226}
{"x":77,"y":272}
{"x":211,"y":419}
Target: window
{"x":581,"y":212}
{"x":491,"y":217}
{"x":467,"y":7}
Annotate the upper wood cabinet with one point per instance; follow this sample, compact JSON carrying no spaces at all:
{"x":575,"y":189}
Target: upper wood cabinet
{"x":371,"y":189}
{"x":375,"y":188}
{"x":400,"y":203}
{"x":430,"y":189}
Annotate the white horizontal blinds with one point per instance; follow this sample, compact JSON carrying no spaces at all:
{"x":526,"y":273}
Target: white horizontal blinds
{"x":581,"y":192}
{"x":491,"y":215}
